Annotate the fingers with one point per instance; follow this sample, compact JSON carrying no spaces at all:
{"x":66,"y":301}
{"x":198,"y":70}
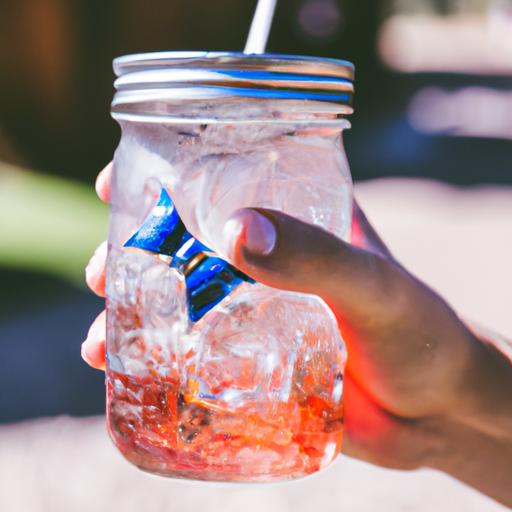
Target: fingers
{"x":95,"y":270}
{"x":285,"y":253}
{"x":365,"y":236}
{"x":103,"y":183}
{"x":93,"y":348}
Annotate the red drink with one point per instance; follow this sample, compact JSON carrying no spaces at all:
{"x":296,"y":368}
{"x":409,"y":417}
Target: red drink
{"x":206,"y":420}
{"x":162,"y":430}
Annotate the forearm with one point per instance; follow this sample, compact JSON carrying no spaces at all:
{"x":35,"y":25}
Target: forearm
{"x":474,"y":444}
{"x":478,"y":459}
{"x":487,"y":405}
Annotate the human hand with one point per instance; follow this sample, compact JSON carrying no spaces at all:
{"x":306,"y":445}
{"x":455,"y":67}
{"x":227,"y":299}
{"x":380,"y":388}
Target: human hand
{"x":418,"y":383}
{"x":93,"y":348}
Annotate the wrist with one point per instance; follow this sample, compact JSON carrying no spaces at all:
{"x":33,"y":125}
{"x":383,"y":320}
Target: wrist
{"x":472,"y":440}
{"x":484,"y":403}
{"x":477,"y":458}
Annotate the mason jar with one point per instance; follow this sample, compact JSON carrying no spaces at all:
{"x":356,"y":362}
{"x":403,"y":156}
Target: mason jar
{"x":241,"y":382}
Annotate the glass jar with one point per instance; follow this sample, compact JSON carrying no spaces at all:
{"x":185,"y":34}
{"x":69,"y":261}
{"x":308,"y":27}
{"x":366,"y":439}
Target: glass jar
{"x":245,"y":384}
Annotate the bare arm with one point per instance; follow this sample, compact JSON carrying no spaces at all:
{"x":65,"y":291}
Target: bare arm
{"x":422,"y":389}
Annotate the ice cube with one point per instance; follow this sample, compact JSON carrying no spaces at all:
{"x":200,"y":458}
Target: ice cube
{"x":269,"y":346}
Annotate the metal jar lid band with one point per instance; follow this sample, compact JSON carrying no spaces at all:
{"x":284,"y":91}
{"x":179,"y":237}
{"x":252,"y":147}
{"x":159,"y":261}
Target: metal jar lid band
{"x":233,"y":74}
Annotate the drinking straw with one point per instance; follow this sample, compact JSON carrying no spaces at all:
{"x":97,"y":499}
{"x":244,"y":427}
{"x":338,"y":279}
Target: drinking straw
{"x":260,"y":27}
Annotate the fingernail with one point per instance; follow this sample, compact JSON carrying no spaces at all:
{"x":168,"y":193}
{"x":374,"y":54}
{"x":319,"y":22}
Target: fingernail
{"x":83,"y":352}
{"x":255,"y":232}
{"x":96,"y":262}
{"x":93,"y":354}
{"x":102,"y":182}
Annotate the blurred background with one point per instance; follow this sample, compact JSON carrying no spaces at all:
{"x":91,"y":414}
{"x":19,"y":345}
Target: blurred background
{"x":434,"y":100}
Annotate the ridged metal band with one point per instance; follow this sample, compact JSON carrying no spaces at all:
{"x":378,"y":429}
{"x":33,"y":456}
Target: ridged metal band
{"x":198,"y":74}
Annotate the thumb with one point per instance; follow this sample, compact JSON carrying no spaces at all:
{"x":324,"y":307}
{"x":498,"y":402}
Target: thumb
{"x":283,"y":252}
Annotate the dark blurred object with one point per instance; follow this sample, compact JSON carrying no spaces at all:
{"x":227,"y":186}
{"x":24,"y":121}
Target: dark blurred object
{"x":454,"y":59}
{"x":321,"y":20}
{"x":42,"y":372}
{"x":58,"y":53}
{"x":8,"y":152}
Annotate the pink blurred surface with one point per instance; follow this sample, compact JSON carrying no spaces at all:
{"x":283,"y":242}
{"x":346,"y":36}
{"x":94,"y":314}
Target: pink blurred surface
{"x":458,"y":241}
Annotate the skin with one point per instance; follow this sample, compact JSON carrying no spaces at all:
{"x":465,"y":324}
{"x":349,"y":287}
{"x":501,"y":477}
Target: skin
{"x":421,"y":388}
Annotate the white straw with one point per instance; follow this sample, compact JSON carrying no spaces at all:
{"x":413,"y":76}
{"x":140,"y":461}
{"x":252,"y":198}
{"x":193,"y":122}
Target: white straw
{"x":260,"y":26}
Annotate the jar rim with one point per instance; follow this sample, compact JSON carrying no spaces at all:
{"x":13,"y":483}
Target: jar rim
{"x":320,"y":66}
{"x":265,"y":76}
